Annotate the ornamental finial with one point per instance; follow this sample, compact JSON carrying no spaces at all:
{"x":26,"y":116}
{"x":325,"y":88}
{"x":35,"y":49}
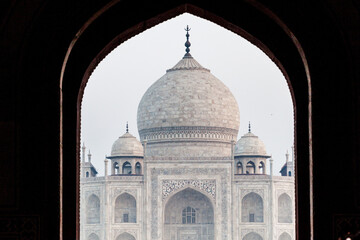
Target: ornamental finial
{"x":249,"y":127}
{"x":127,"y":127}
{"x":187,"y":43}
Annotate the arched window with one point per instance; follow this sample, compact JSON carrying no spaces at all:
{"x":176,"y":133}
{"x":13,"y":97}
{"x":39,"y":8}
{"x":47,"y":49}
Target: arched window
{"x":252,"y":208}
{"x":252,"y":236}
{"x":239,"y":168}
{"x":116,"y":168}
{"x":125,"y":209}
{"x":250,"y":168}
{"x":93,"y":209}
{"x":93,"y":236}
{"x":125,"y":236}
{"x":87,"y":174}
{"x":188,"y":215}
{"x":138,"y":168}
{"x":285,"y":236}
{"x":284,"y":209}
{"x":126,"y":169}
{"x":262,"y":168}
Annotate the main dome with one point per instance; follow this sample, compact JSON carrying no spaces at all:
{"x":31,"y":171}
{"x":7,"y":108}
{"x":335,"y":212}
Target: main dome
{"x":186,"y":107}
{"x":188,"y":95}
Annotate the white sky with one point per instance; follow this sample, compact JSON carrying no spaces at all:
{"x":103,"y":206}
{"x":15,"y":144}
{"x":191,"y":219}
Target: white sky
{"x":115,"y":88}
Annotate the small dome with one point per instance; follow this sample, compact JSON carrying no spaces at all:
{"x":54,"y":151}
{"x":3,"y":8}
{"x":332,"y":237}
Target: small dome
{"x":127,"y":145}
{"x":250,"y":145}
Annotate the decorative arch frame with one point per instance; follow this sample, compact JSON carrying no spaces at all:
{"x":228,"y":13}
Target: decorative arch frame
{"x":289,"y":201}
{"x":88,"y":199}
{"x":212,"y":203}
{"x":114,"y":204}
{"x":281,"y":46}
{"x":258,"y":196}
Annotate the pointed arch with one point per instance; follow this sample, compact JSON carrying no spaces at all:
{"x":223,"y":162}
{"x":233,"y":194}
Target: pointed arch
{"x":126,"y":168}
{"x":252,"y":236}
{"x":93,"y":209}
{"x":262,"y":168}
{"x":252,"y":208}
{"x":125,"y":236}
{"x":284,"y":209}
{"x":191,"y":210}
{"x":285,"y":236}
{"x":303,"y":122}
{"x":138,"y":168}
{"x":115,"y":169}
{"x":93,"y":236}
{"x":239,"y":168}
{"x":250,"y":167}
{"x":125,"y":209}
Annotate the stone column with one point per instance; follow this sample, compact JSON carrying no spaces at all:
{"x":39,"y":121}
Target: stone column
{"x":105,"y":167}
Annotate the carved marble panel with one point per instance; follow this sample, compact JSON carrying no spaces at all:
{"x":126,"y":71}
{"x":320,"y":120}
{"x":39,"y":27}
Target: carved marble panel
{"x":208,"y":186}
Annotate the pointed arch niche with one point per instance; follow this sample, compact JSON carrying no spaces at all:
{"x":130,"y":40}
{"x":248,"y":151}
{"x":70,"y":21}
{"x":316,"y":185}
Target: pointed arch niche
{"x":188,"y":214}
{"x":252,"y":21}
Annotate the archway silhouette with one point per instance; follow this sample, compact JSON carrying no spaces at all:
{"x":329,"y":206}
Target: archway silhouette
{"x":296,"y":72}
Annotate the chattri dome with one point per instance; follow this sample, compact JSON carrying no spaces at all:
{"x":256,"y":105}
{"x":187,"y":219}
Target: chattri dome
{"x":127,"y":145}
{"x":250,"y":145}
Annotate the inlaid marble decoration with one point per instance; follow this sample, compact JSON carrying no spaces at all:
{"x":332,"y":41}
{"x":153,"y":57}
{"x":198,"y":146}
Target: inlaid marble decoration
{"x":207,"y":186}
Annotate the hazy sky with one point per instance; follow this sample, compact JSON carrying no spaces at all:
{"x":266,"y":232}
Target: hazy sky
{"x":115,"y":88}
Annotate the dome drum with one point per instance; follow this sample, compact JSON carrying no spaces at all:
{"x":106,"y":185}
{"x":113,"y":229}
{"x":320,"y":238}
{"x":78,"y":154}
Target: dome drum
{"x":201,"y":133}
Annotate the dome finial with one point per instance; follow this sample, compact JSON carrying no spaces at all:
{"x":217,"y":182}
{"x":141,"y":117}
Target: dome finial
{"x":127,"y":127}
{"x":249,"y":127}
{"x":187,"y":43}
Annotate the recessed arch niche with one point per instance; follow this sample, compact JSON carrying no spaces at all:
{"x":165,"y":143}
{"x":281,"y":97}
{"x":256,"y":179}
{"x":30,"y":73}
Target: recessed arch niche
{"x":188,"y":214}
{"x":94,"y":41}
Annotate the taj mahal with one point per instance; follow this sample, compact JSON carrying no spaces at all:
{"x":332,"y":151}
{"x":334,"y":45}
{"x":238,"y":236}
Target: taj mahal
{"x":188,"y":177}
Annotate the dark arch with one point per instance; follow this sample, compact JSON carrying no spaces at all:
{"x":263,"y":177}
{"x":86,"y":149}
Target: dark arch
{"x":262,"y":168}
{"x":125,"y":236}
{"x":189,"y":209}
{"x":284,"y":209}
{"x":93,"y":209}
{"x":126,"y":168}
{"x":250,"y":167}
{"x":252,"y":208}
{"x":125,"y":209}
{"x":138,"y":168}
{"x":252,"y":21}
{"x":116,"y":168}
{"x":239,"y":168}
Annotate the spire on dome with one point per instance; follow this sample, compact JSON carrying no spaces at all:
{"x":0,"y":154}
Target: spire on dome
{"x":127,"y":127}
{"x":187,"y":43}
{"x":249,"y":127}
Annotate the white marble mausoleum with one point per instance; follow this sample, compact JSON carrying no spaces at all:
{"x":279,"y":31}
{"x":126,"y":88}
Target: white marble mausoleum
{"x":188,"y":177}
